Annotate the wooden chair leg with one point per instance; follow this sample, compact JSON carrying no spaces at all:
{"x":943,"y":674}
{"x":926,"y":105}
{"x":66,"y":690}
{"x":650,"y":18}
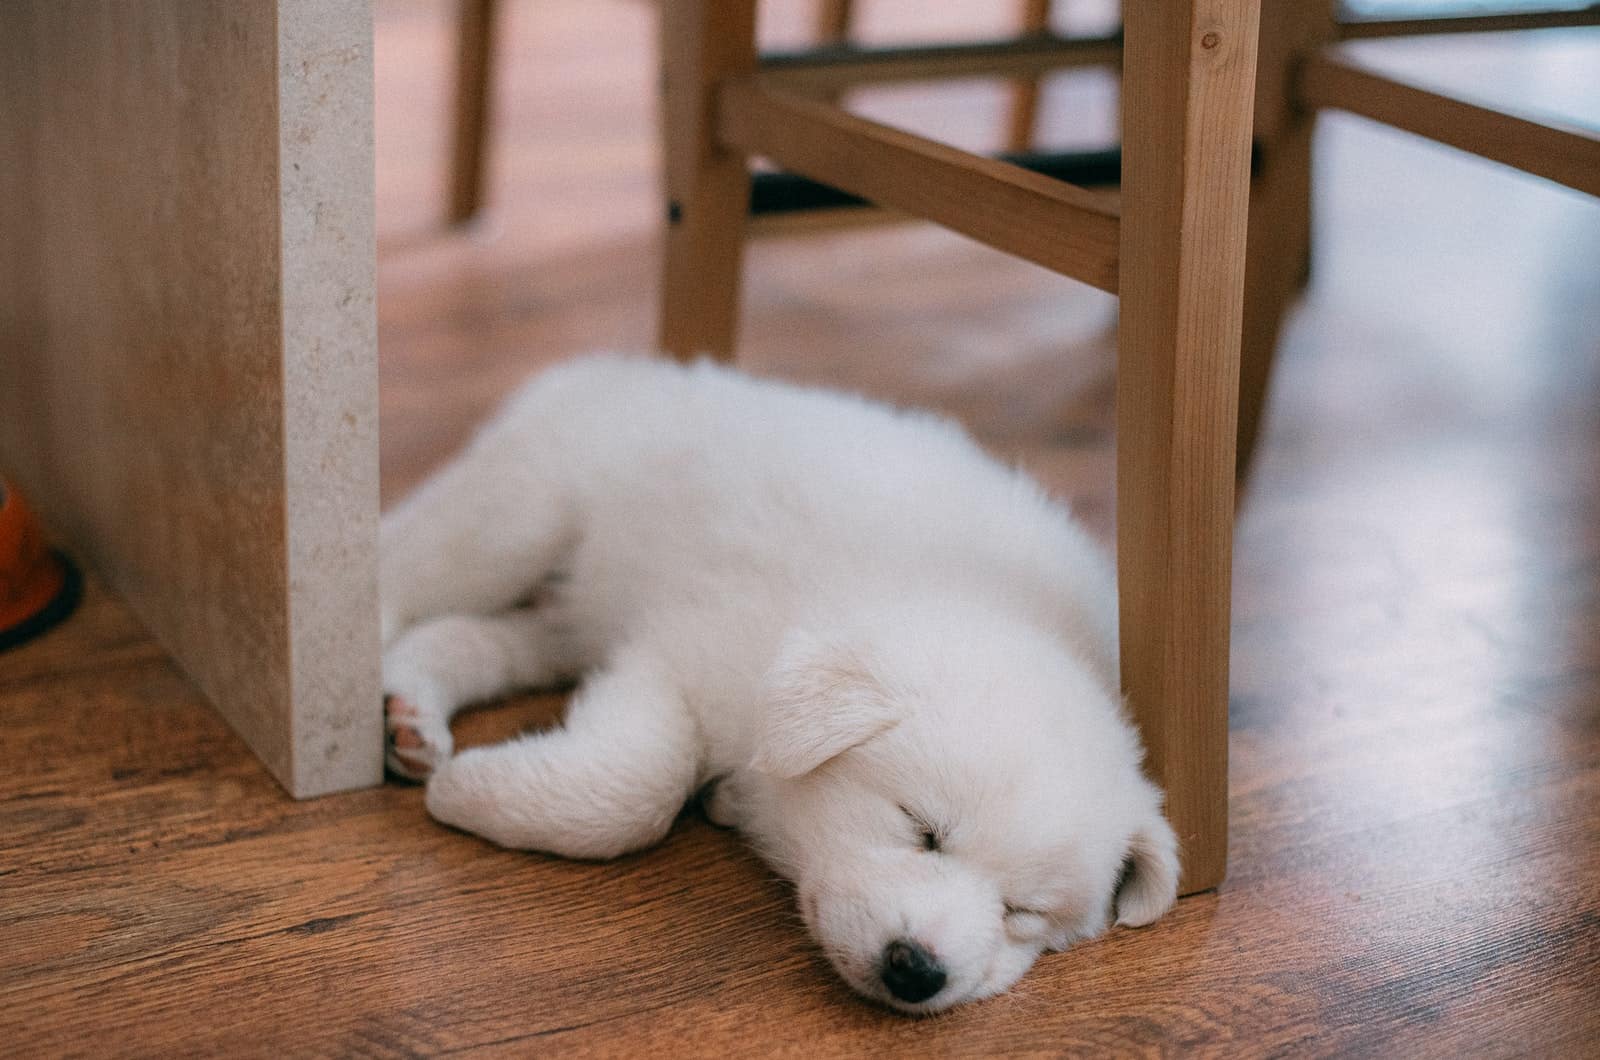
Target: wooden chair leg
{"x":1188,"y":88}
{"x":834,"y":20}
{"x":703,"y":42}
{"x":1024,"y":118}
{"x":1023,"y":124}
{"x":1280,"y":205}
{"x":1280,"y":240}
{"x":474,"y":83}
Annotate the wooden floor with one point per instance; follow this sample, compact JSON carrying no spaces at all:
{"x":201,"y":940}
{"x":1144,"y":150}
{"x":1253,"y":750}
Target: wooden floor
{"x":1416,"y":705}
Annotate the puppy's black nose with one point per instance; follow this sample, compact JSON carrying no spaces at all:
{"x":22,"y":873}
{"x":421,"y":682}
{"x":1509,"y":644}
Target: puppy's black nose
{"x":910,"y":972}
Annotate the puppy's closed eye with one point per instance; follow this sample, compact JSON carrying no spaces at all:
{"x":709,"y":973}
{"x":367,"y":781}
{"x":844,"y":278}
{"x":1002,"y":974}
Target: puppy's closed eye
{"x":927,"y":835}
{"x":1025,"y":923}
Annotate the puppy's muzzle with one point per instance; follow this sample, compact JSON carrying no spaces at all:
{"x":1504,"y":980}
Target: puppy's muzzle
{"x":910,"y":972}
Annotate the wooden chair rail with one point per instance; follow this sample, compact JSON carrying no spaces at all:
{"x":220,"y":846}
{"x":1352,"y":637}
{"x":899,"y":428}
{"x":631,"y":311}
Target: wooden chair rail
{"x":826,"y":70}
{"x":1366,"y":29}
{"x":830,"y":68}
{"x":783,"y":193}
{"x":1565,"y":153}
{"x":1063,"y":227}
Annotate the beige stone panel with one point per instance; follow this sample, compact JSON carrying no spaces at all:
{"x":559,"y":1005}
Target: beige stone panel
{"x":188,"y":382}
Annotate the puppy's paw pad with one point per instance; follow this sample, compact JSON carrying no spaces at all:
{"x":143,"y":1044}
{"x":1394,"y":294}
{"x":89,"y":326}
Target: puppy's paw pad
{"x":398,"y":709}
{"x":414,"y":748}
{"x":414,"y":762}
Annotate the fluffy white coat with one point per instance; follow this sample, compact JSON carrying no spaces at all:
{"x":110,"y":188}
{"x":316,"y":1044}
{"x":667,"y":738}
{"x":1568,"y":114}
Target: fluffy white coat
{"x":894,"y":659}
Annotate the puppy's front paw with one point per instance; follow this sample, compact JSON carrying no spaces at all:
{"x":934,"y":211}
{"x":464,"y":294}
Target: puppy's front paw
{"x":417,"y":741}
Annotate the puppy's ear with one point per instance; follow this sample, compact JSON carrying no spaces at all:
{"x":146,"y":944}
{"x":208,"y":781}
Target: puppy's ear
{"x":821,"y":699}
{"x":1149,"y":882}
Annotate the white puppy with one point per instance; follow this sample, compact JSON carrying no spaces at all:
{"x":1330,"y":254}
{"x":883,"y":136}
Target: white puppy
{"x":894,"y":658}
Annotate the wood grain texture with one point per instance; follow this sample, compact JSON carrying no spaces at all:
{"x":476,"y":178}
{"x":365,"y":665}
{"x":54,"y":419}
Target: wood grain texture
{"x":1545,"y":146}
{"x":1416,"y":691}
{"x":1188,"y":86}
{"x":187,"y":389}
{"x":1067,"y":229}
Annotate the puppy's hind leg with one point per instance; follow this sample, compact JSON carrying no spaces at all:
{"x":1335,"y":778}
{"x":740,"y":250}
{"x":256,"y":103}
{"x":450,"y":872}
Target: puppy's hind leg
{"x":433,"y":670}
{"x":477,"y":537}
{"x":610,"y":780}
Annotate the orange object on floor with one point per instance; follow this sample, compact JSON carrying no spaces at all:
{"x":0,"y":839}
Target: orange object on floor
{"x":38,"y":586}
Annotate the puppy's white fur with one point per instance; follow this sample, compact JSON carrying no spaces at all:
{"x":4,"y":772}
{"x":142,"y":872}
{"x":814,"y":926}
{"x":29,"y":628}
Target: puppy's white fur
{"x":895,"y":659}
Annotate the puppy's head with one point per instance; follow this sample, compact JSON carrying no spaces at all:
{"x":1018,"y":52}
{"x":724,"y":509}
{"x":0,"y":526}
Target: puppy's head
{"x":953,"y":798}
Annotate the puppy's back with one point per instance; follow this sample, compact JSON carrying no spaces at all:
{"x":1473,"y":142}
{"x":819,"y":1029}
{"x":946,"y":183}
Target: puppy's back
{"x":699,"y":480}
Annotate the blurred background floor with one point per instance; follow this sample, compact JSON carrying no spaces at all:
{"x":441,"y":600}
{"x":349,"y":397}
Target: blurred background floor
{"x":1416,"y":691}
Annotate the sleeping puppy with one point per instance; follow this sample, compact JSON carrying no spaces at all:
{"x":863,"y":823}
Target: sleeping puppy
{"x":889,"y":659}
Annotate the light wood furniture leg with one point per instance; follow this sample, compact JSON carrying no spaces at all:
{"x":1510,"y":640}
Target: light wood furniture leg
{"x":1187,"y":96}
{"x":707,"y":183}
{"x":188,"y":378}
{"x":834,"y":19}
{"x":469,"y":148}
{"x":1023,"y":121}
{"x":1279,"y":246}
